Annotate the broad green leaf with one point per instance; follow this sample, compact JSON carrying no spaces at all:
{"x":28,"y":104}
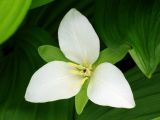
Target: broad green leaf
{"x":127,"y":22}
{"x":147,"y":98}
{"x":157,"y":118}
{"x":38,"y":3}
{"x":112,"y":55}
{"x":50,"y":53}
{"x":19,"y":60}
{"x":50,"y":16}
{"x":140,"y":62}
{"x":81,"y":98}
{"x":12,"y":13}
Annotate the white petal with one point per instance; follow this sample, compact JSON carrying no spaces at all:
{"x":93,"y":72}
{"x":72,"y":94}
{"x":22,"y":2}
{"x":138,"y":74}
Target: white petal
{"x":52,"y":82}
{"x":108,"y":87}
{"x":77,"y":38}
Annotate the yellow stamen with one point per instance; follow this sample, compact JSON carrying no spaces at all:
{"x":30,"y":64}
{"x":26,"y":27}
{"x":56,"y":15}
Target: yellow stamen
{"x":84,"y":79}
{"x":76,"y":72}
{"x":90,"y":67}
{"x":76,"y":66}
{"x":83,"y":71}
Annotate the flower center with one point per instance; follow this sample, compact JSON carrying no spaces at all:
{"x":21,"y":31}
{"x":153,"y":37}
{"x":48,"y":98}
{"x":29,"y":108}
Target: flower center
{"x":84,"y":71}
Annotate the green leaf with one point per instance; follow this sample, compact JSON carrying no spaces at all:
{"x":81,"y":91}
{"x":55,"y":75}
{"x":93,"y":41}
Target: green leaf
{"x":112,"y":55}
{"x":49,"y":16}
{"x":17,"y":65}
{"x":81,"y":98}
{"x":50,"y":53}
{"x":147,"y":97}
{"x":127,"y":22}
{"x":140,"y":63}
{"x":38,"y":3}
{"x":12,"y":13}
{"x":157,"y":118}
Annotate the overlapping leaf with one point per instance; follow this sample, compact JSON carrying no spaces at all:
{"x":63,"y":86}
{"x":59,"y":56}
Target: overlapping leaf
{"x":132,"y":22}
{"x":12,"y":13}
{"x":38,"y":3}
{"x":51,"y":53}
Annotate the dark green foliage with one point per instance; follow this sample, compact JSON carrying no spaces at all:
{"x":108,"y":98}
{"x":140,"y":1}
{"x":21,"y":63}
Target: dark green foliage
{"x":135,"y":23}
{"x":124,"y":26}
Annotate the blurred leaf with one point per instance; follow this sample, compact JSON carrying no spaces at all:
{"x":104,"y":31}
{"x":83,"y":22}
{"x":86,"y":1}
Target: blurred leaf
{"x":135,"y":23}
{"x":49,"y":17}
{"x":147,"y":98}
{"x":81,"y":98}
{"x":112,"y":55}
{"x":117,"y":22}
{"x":12,"y":13}
{"x":157,"y":118}
{"x":140,"y":62}
{"x":38,"y":3}
{"x":19,"y":61}
{"x":50,"y":53}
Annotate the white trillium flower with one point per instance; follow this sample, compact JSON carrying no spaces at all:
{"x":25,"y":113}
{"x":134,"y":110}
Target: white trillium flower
{"x":62,"y":80}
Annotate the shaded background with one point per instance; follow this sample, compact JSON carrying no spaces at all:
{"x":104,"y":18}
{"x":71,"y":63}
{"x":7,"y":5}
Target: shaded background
{"x":24,"y":26}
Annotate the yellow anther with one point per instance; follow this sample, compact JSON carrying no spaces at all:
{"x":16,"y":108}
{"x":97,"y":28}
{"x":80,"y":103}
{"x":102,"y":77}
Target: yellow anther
{"x":76,"y":72}
{"x":76,"y":66}
{"x":90,"y":67}
{"x":81,"y":70}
